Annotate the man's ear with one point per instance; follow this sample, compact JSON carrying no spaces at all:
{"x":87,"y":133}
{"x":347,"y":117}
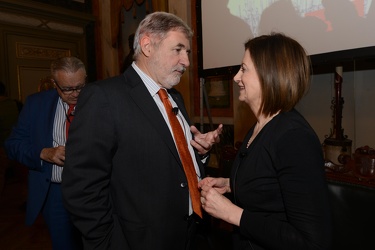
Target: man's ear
{"x":146,"y":45}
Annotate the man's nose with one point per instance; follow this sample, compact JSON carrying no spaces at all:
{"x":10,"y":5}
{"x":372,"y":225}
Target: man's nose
{"x":185,"y":59}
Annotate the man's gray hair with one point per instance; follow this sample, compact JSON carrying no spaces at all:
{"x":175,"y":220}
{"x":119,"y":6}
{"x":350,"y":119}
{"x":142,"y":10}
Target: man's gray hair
{"x":157,"y":25}
{"x":68,"y":64}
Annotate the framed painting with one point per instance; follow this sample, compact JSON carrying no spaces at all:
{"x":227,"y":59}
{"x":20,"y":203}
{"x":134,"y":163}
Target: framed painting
{"x":219,"y":95}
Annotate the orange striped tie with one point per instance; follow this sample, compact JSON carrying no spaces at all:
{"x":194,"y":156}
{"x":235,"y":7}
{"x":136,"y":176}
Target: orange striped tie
{"x":185,"y":156}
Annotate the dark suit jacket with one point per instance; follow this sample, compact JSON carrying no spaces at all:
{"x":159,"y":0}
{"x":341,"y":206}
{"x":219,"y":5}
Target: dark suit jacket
{"x":123,"y":181}
{"x":32,"y":133}
{"x":279,"y":181}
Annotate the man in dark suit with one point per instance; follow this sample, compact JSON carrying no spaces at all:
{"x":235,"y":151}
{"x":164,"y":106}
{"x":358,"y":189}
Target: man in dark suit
{"x":38,"y":140}
{"x":124,"y":182}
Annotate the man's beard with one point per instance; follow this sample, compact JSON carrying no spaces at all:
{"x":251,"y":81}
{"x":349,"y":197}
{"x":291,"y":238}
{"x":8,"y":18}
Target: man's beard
{"x":172,"y":78}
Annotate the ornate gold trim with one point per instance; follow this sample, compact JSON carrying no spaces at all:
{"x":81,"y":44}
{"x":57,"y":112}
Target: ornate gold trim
{"x":39,"y":52}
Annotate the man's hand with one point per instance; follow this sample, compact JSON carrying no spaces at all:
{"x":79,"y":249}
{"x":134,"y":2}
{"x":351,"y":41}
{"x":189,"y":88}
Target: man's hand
{"x":203,"y":142}
{"x":54,"y":155}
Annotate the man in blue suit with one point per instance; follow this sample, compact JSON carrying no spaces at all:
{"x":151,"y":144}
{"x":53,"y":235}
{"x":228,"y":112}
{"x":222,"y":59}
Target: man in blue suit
{"x":38,"y":142}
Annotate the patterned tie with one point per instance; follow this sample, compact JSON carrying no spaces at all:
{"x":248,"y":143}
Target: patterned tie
{"x":187,"y":161}
{"x":69,"y":118}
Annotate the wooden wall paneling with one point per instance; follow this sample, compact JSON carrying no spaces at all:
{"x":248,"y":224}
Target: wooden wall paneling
{"x":34,"y":34}
{"x":34,"y":51}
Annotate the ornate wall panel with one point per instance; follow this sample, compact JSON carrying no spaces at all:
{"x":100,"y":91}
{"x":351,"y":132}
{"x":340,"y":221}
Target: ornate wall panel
{"x":32,"y":35}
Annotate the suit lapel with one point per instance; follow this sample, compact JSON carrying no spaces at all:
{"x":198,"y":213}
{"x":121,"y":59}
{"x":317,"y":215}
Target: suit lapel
{"x":50,"y":104}
{"x":145,"y":102}
{"x":180,"y":103}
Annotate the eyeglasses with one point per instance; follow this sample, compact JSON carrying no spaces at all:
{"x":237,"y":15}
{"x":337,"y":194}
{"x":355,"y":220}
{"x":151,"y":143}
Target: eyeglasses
{"x":69,"y":91}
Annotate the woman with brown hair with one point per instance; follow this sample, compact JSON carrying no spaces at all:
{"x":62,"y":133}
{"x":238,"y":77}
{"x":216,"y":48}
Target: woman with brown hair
{"x":280,"y":198}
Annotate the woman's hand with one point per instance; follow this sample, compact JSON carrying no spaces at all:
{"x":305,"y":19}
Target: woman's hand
{"x":215,"y":203}
{"x":220,"y":184}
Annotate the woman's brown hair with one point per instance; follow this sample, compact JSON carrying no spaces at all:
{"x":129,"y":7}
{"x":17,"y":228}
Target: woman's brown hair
{"x":283,"y":69}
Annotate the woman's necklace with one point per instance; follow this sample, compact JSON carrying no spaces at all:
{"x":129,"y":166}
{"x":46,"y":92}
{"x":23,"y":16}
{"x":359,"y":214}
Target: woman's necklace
{"x":258,"y":128}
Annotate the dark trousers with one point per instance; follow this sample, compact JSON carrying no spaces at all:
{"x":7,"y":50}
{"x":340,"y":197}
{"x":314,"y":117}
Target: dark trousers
{"x":63,"y":234}
{"x":193,"y":224}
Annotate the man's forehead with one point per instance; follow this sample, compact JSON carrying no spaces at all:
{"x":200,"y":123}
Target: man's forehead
{"x":177,"y":38}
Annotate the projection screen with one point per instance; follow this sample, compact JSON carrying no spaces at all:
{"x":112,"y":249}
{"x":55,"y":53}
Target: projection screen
{"x":321,"y":26}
